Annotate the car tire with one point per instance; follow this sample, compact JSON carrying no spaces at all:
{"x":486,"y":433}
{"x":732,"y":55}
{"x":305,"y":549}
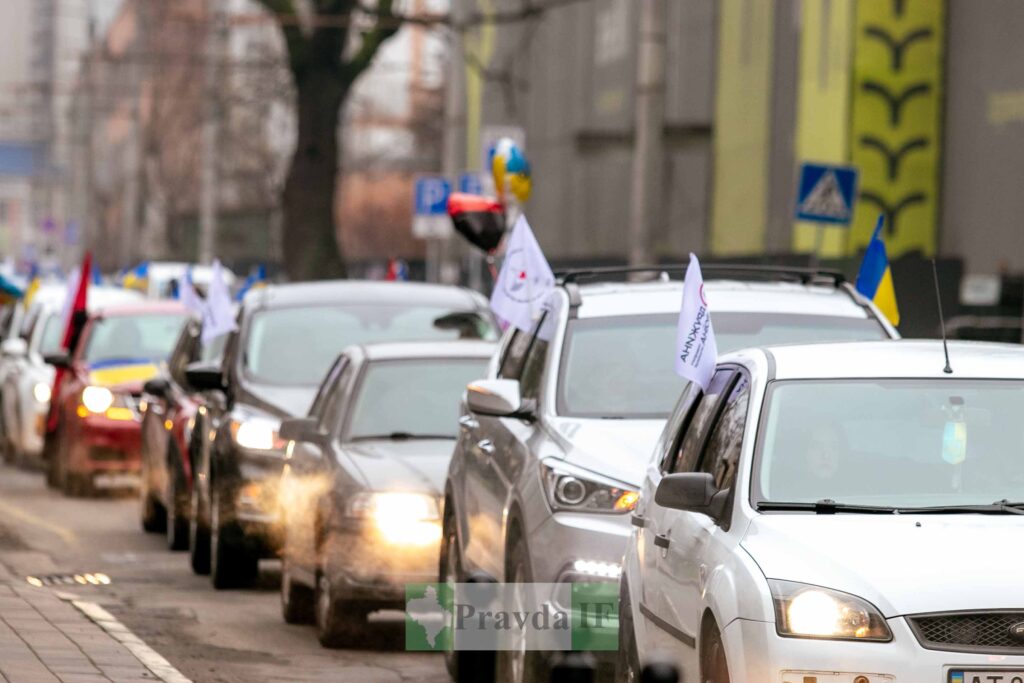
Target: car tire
{"x":339,"y":623}
{"x":627,"y":663}
{"x":298,"y":602}
{"x":78,"y":485}
{"x":530,"y":665}
{"x":713,"y":665}
{"x":198,"y":536}
{"x":232,"y":563}
{"x":151,"y":513}
{"x":52,"y":456}
{"x":176,"y":521}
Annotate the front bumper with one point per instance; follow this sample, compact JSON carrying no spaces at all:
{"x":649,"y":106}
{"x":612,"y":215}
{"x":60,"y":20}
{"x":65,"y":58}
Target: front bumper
{"x":100,"y":445}
{"x":567,"y":541}
{"x":366,"y":567}
{"x":756,"y":652}
{"x":254,"y":491}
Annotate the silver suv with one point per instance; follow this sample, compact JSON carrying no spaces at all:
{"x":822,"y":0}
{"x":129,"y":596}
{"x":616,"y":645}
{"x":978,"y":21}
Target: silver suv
{"x":553,"y":443}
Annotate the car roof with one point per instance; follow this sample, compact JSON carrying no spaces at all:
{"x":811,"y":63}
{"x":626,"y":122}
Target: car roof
{"x":362,"y":291}
{"x":51,"y":297}
{"x":632,"y":298}
{"x":893,"y":359}
{"x":427,"y":349}
{"x":151,"y":307}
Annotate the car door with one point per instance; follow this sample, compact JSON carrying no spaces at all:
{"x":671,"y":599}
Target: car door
{"x":697,"y":543}
{"x":493,"y":458}
{"x":665,"y":628}
{"x":308,"y":467}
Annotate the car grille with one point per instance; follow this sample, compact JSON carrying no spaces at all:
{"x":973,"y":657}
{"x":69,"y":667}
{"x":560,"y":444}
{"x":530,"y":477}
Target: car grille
{"x":969,"y":631}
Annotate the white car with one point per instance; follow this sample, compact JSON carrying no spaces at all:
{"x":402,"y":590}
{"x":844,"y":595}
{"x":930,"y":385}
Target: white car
{"x":26,"y":379}
{"x":841,"y":513}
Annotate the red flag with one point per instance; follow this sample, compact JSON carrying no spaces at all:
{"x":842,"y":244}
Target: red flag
{"x":74,"y":324}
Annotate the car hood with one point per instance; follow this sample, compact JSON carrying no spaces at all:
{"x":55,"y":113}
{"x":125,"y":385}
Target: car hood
{"x":281,"y":401}
{"x":402,"y":465}
{"x":619,"y":449}
{"x":903,"y":564}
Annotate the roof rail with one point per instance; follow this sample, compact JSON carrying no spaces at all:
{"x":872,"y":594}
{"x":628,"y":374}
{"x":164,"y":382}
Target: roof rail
{"x":735,"y":270}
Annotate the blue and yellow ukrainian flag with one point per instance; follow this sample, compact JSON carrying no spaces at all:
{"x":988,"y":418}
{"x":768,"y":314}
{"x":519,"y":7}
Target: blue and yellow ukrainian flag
{"x":34,"y":281}
{"x":137,"y":277}
{"x":875,"y":277}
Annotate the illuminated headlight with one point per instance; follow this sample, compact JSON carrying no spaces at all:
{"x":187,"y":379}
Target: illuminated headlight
{"x":805,"y":611}
{"x":41,"y":392}
{"x":400,"y":518}
{"x":607,"y":570}
{"x":257,"y":434}
{"x":571,"y":490}
{"x":97,"y":399}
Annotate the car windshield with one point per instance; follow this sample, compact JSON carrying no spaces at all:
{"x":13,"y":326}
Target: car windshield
{"x":145,"y":337}
{"x":296,"y":346}
{"x":412,"y":398}
{"x":622,"y":366}
{"x":899,"y":443}
{"x":52,"y":336}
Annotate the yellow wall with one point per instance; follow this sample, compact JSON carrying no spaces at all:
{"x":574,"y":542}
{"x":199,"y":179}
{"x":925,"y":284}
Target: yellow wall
{"x":742,"y":126}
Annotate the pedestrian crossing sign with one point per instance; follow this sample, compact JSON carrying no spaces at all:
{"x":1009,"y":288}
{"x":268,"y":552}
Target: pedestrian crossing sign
{"x":826,"y":193}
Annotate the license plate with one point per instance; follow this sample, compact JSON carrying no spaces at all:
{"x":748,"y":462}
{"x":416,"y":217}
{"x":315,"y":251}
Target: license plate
{"x":988,"y":676}
{"x":115,"y":481}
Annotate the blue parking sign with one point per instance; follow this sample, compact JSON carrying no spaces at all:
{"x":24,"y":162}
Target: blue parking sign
{"x":471,"y":183}
{"x":826,"y":193}
{"x":432,"y":195}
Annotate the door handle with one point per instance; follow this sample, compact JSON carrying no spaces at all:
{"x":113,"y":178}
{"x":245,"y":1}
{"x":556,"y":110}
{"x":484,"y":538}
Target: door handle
{"x":468,"y":422}
{"x":661,"y":540}
{"x":638,"y":521}
{"x":485,"y":445}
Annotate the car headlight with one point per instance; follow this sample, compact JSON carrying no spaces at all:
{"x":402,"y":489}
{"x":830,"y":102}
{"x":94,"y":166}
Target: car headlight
{"x":97,"y":399}
{"x":257,"y":434}
{"x":806,"y":611}
{"x":568,"y":489}
{"x":400,"y":518}
{"x":41,"y":392}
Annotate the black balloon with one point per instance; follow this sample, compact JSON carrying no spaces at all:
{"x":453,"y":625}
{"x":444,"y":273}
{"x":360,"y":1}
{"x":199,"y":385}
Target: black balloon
{"x":481,"y":220}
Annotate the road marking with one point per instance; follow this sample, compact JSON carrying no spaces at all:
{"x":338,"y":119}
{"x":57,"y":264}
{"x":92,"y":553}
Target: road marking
{"x":65,"y":534}
{"x":147,"y":656}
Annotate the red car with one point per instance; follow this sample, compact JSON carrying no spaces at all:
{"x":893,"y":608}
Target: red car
{"x":96,"y":440}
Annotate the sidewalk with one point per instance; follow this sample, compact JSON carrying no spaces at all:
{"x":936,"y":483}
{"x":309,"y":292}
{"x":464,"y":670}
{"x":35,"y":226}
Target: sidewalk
{"x":48,"y":638}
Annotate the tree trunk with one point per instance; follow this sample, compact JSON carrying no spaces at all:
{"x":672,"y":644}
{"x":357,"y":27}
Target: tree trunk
{"x":310,"y":246}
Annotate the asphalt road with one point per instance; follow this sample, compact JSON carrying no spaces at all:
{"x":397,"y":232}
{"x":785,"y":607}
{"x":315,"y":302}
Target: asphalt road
{"x":216,"y":636}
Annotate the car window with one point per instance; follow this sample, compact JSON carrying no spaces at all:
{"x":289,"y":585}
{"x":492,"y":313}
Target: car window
{"x":133,"y":338}
{"x":53,"y":335}
{"x":668,"y":444}
{"x":690,"y":445}
{"x":326,"y":387}
{"x":411,"y":398}
{"x":722,"y":453}
{"x":515,"y":355}
{"x":329,"y":421}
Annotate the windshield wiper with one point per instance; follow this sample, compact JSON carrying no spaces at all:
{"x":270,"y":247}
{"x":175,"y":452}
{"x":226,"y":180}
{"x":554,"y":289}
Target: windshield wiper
{"x":401,"y":436}
{"x":826,"y":506}
{"x":998,"y":507}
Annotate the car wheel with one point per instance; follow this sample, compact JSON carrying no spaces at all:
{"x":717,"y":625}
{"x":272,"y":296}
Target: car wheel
{"x":338,"y":622}
{"x":198,"y":537}
{"x":78,"y":485}
{"x":298,"y":602}
{"x":520,"y":665}
{"x":151,"y":512}
{"x":627,"y":664}
{"x":713,"y":666}
{"x":232,"y":562}
{"x":54,"y":459}
{"x":177,"y":522}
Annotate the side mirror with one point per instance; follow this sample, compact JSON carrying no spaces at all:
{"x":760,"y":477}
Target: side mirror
{"x":158,"y":386}
{"x":203,"y":376}
{"x":498,"y":398}
{"x":300,"y":429}
{"x":692,"y":491}
{"x":15,"y":347}
{"x":61,"y":361}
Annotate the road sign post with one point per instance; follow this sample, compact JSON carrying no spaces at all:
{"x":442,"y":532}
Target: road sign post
{"x":430,"y":219}
{"x":826,"y":195}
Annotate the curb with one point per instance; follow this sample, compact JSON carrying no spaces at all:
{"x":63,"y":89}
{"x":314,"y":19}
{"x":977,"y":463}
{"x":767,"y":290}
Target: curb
{"x":147,"y":656}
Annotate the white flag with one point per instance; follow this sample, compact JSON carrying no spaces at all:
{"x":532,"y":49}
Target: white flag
{"x":696,"y":350}
{"x":525,"y":282}
{"x":218,"y":316}
{"x":188,"y":296}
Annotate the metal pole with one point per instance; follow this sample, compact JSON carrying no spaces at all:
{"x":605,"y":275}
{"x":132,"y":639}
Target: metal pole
{"x":209,"y":178}
{"x":455,"y":126}
{"x":648,"y":152}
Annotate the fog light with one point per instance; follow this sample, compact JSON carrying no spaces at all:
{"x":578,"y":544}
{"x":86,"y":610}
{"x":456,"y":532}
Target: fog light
{"x":41,"y":392}
{"x":605,"y":570}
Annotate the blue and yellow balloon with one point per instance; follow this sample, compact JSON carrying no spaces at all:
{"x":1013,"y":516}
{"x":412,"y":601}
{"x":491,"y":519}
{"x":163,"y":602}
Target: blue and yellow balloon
{"x":510,"y":169}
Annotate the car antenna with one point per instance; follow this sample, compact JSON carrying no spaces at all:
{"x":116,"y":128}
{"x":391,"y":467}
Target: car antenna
{"x":942,"y":322}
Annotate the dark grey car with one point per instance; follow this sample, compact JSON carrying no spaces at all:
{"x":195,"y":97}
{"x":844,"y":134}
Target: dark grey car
{"x":287,"y":338}
{"x":362,"y":484}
